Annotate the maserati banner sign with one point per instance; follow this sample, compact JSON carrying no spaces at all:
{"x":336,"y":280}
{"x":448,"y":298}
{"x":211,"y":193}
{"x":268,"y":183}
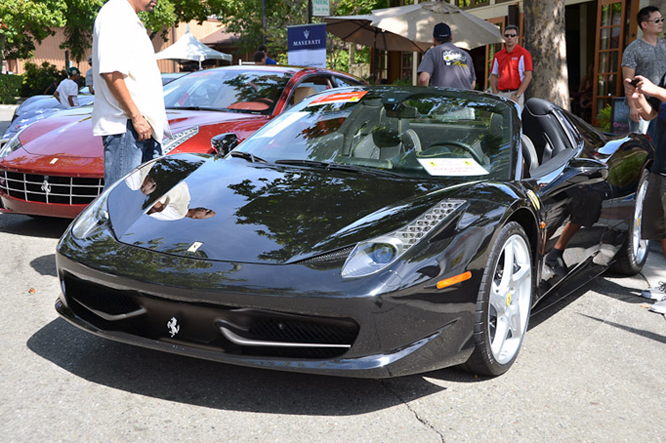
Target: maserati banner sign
{"x":307,"y":45}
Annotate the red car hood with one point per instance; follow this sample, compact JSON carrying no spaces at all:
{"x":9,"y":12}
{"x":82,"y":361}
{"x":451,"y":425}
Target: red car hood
{"x":70,"y":135}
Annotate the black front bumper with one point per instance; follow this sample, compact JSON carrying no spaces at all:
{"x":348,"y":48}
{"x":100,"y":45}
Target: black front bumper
{"x":392,"y":335}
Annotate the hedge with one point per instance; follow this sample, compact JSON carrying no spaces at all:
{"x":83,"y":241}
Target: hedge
{"x":10,"y":88}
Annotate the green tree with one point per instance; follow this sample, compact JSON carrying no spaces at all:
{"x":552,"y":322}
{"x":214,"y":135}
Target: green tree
{"x":26,"y":22}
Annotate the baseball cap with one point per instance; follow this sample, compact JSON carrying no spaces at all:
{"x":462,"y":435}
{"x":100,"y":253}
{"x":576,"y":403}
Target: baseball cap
{"x":442,"y":30}
{"x":73,"y":71}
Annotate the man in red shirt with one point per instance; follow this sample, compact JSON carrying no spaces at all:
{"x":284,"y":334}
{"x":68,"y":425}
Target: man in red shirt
{"x":512,"y":68}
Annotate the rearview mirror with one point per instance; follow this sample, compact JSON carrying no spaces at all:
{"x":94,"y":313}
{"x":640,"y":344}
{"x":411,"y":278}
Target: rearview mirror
{"x":224,"y":143}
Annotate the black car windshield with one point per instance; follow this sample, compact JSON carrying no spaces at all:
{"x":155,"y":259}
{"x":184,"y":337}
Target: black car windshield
{"x":227,"y":90}
{"x":410,"y":132}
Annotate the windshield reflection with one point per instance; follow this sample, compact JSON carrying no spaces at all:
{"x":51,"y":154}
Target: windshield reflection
{"x":413,"y":133}
{"x":249,"y":92}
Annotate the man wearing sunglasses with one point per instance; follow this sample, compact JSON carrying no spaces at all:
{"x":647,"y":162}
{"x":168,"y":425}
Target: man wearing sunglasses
{"x":511,"y":73}
{"x":644,"y":56}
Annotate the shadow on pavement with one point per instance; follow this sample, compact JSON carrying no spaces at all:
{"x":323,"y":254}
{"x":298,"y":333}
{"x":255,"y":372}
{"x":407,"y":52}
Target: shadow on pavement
{"x":28,"y":226}
{"x":45,"y":265}
{"x":217,"y":385}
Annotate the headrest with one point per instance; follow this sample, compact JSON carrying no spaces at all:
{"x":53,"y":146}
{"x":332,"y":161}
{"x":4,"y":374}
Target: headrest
{"x":302,"y":92}
{"x":386,"y":134}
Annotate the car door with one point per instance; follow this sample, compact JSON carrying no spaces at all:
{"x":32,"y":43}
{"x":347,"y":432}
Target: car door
{"x":573,"y":192}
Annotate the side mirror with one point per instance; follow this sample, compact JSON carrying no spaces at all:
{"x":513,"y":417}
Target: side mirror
{"x":224,"y":143}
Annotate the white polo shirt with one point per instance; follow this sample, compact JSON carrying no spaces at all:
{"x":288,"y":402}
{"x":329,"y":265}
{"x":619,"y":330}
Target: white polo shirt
{"x":121,"y":43}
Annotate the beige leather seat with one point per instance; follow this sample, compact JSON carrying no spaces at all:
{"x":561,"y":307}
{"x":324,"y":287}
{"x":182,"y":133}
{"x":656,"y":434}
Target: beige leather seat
{"x":301,"y":93}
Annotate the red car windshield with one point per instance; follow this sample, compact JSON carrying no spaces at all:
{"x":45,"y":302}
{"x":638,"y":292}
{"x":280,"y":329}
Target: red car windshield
{"x":231,"y":91}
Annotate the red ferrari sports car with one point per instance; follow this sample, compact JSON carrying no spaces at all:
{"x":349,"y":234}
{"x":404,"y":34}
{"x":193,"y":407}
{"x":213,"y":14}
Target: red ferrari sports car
{"x":55,"y":167}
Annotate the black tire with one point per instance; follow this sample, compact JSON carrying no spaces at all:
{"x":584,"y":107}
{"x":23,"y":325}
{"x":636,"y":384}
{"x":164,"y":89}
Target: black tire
{"x":504,"y":303}
{"x":633,"y":254}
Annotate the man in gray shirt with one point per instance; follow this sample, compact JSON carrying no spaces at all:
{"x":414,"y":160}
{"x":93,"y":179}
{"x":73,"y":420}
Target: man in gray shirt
{"x":645,"y":56}
{"x":446,"y":64}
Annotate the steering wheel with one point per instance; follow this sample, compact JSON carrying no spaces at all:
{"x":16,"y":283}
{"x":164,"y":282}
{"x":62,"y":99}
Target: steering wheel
{"x":431,"y":151}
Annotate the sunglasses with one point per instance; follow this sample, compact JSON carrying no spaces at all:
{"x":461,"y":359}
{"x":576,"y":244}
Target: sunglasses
{"x":658,"y":20}
{"x":514,"y":35}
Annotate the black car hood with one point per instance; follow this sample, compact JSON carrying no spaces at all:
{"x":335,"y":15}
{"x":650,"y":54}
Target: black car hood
{"x":262,"y":214}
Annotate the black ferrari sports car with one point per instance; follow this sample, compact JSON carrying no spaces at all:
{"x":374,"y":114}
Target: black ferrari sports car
{"x":368,"y":232}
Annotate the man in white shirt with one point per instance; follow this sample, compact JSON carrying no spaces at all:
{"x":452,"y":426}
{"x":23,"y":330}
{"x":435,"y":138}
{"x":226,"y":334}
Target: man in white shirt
{"x":89,"y":77}
{"x":68,"y":89}
{"x":129,"y":111}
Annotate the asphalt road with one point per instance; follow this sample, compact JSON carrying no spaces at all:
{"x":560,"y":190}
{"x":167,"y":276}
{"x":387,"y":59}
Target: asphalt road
{"x":591,"y":370}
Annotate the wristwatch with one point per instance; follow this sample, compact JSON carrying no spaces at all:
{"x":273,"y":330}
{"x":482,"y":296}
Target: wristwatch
{"x":517,"y":95}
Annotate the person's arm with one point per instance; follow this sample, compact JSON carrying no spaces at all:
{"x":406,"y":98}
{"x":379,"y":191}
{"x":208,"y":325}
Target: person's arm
{"x":473,"y":84}
{"x":629,"y":73}
{"x":116,"y":84}
{"x":636,"y":96}
{"x":57,"y":95}
{"x":523,"y":86}
{"x":424,"y":79}
{"x":91,"y":89}
{"x":70,"y":99}
{"x":493,"y":82}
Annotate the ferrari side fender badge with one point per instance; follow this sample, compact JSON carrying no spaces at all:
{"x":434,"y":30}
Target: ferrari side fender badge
{"x":535,"y":200}
{"x":173,"y":327}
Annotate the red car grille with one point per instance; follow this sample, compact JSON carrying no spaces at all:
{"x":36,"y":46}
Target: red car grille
{"x":50,"y":189}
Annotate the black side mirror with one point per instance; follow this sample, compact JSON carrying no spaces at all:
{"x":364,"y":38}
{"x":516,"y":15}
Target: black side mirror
{"x":224,"y":143}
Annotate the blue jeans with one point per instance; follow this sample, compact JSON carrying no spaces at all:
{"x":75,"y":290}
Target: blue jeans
{"x":123,"y":153}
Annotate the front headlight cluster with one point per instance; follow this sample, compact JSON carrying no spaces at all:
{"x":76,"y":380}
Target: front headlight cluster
{"x":92,"y":219}
{"x":371,"y":256}
{"x":12,"y":145}
{"x":178,"y":139}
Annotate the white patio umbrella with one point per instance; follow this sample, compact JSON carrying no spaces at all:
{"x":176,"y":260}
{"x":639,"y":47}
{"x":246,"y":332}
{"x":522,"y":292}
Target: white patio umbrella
{"x":188,"y":48}
{"x":358,"y":29}
{"x":416,"y":23}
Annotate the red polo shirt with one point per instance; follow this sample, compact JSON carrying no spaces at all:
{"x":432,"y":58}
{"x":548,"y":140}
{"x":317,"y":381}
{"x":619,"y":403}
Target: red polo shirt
{"x":511,"y":67}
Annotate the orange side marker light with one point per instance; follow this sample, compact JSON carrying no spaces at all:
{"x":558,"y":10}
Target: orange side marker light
{"x":454,"y":280}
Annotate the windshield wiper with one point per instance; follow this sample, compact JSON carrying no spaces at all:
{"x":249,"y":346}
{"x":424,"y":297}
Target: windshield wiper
{"x":194,"y":108}
{"x":247,"y":156}
{"x":336,"y":167}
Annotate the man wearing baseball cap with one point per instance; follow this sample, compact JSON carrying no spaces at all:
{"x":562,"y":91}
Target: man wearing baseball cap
{"x":68,"y":89}
{"x":446,"y":65}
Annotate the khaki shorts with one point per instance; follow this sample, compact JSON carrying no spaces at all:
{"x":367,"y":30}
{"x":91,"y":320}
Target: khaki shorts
{"x":654,"y":209}
{"x":521,"y":100}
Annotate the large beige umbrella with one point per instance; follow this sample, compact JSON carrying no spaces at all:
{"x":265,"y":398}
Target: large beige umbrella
{"x":358,"y":29}
{"x":416,"y":23}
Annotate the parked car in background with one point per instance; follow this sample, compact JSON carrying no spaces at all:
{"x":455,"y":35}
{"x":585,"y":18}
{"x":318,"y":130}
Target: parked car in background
{"x":55,"y":166}
{"x":371,"y":232}
{"x":39,"y":107}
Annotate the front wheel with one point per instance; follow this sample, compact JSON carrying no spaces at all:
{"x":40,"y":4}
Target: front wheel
{"x":503,"y":304}
{"x":633,"y":254}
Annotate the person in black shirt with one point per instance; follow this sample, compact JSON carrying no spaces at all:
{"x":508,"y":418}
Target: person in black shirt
{"x":650,"y":101}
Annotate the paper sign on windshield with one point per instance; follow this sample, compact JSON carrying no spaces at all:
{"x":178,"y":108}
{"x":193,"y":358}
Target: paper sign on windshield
{"x":452,"y":167}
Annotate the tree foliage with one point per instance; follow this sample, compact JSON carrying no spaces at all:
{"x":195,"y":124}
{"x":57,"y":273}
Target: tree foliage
{"x":26,"y":22}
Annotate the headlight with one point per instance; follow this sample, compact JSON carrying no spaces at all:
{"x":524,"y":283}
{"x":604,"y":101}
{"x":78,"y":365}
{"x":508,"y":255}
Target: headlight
{"x":92,"y":219}
{"x":12,"y":145}
{"x":374,"y":255}
{"x":178,"y":139}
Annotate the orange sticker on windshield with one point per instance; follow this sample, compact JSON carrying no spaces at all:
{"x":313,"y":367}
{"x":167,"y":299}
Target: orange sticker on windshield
{"x":340,"y":97}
